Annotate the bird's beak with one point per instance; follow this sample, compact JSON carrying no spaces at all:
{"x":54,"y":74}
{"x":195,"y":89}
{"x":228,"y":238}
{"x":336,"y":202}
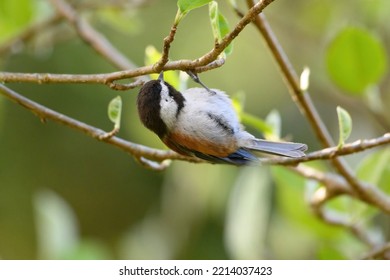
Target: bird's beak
{"x":161,"y":76}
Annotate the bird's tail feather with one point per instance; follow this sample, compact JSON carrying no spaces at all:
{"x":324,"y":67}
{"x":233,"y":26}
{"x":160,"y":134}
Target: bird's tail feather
{"x":287,"y":149}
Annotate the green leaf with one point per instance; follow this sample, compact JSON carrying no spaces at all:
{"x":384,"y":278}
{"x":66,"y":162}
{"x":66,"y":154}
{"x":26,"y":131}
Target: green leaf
{"x":115,"y":110}
{"x":152,"y":55}
{"x":219,"y":25}
{"x":345,"y":125}
{"x":213,"y":14}
{"x":185,"y":6}
{"x":256,"y":123}
{"x":356,"y":59}
{"x":225,"y":29}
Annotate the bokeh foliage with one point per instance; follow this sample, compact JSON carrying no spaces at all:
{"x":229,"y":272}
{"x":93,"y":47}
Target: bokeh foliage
{"x":63,"y":195}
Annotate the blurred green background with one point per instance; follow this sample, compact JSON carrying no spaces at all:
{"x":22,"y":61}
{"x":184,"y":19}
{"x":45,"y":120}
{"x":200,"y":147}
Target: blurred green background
{"x":65,"y":195}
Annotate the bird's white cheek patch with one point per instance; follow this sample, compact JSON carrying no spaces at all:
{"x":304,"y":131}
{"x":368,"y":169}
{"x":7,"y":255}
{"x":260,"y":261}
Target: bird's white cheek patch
{"x":168,"y":107}
{"x":164,"y":91}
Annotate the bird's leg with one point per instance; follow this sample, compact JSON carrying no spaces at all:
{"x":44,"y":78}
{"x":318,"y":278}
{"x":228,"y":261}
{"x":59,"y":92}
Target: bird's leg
{"x":196,"y":79}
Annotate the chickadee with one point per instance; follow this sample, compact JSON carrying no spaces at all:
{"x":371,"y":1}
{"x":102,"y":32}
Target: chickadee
{"x":202,"y":123}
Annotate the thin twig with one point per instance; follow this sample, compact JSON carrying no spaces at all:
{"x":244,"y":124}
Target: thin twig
{"x":166,"y":47}
{"x":335,"y":184}
{"x":117,"y":86}
{"x":338,"y":219}
{"x":379,"y":252}
{"x":225,"y":42}
{"x":156,"y":166}
{"x":302,"y":99}
{"x":380,"y":118}
{"x":206,"y":62}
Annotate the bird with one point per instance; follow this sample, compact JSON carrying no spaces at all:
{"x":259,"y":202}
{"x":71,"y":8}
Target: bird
{"x":202,"y":123}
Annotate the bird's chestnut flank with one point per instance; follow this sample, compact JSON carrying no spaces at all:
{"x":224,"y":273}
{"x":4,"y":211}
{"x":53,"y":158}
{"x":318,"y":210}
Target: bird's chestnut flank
{"x":202,"y":123}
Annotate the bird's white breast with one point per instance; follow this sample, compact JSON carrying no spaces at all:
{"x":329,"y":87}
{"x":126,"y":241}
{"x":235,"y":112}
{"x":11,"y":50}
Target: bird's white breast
{"x":201,"y":113}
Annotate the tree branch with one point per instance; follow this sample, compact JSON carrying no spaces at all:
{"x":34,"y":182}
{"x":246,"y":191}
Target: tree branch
{"x":104,"y":78}
{"x":302,"y":99}
{"x":135,"y":149}
{"x":379,"y":252}
{"x":156,"y":159}
{"x":140,"y":151}
{"x":204,"y":63}
{"x":334,"y":185}
{"x":166,"y":47}
{"x":338,"y":219}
